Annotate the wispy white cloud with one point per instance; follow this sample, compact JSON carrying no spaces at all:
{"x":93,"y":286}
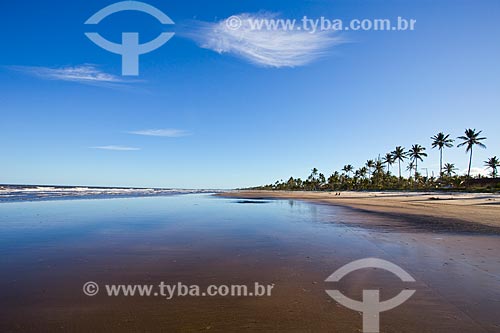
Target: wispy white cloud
{"x":270,"y":48}
{"x":117,"y":148}
{"x":83,"y":74}
{"x":168,"y":132}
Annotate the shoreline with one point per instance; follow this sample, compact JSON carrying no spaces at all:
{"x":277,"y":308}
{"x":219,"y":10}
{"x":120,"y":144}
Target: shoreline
{"x":480,"y":209}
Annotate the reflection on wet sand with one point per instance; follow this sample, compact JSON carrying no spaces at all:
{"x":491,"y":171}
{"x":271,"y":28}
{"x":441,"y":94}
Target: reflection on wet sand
{"x":50,"y":249}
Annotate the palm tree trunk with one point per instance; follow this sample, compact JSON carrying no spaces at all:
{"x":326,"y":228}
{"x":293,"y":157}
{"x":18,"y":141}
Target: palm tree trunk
{"x":416,"y":168}
{"x":399,"y":169}
{"x":440,"y":162}
{"x":470,"y":162}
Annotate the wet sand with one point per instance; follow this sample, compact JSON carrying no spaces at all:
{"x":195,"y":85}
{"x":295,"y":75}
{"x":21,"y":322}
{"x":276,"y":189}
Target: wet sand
{"x":51,"y":249}
{"x":481,"y":208}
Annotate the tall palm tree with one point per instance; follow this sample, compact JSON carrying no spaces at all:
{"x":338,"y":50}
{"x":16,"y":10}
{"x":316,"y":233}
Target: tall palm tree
{"x":314,"y":173}
{"x":417,"y":152}
{"x":399,"y":155}
{"x":388,"y":160}
{"x":449,"y":169}
{"x":370,"y":164}
{"x":348,"y":169}
{"x":440,"y":141}
{"x":493,"y":163}
{"x":470,"y":139}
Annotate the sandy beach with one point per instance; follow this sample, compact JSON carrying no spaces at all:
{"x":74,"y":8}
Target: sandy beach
{"x":463,"y":210}
{"x":52,"y":248}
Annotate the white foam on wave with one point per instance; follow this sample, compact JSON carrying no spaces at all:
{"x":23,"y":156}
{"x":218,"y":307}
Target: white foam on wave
{"x":10,"y":192}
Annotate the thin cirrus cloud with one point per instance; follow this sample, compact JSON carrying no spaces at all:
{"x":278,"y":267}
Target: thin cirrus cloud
{"x":168,"y":132}
{"x":116,"y":148}
{"x":88,"y":74}
{"x":264,"y":47}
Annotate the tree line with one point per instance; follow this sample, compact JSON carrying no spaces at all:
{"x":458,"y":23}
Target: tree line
{"x":376,"y":174}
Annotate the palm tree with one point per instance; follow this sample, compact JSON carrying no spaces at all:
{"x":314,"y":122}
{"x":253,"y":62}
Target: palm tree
{"x":363,"y":171}
{"x":313,"y":178}
{"x":470,"y":139}
{"x":493,"y":163}
{"x":416,"y":153}
{"x":378,"y":171}
{"x":399,"y":155}
{"x":449,"y":169}
{"x":348,"y":169}
{"x":314,"y":173}
{"x":441,"y":140}
{"x":379,"y":167}
{"x":389,"y":160}
{"x":370,"y":164}
{"x":321,"y":179}
{"x":410,"y":167}
{"x":333,"y":180}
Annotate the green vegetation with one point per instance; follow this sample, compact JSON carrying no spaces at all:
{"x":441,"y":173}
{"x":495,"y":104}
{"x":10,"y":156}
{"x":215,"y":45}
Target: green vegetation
{"x":376,"y":174}
{"x":493,"y":163}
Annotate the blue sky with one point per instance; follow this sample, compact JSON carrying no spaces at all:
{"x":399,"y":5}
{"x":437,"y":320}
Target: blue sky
{"x":221,"y":120}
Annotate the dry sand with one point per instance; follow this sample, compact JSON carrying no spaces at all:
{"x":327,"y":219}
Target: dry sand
{"x":479,"y":210}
